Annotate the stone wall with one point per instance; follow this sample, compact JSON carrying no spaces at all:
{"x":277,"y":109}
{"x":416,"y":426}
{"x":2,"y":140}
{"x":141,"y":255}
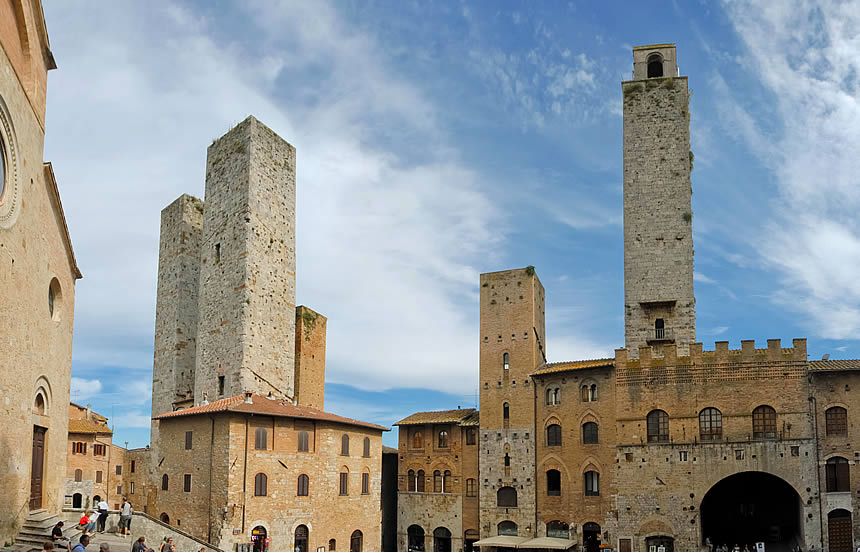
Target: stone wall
{"x":658,"y":236}
{"x":246,"y":324}
{"x":144,"y":525}
{"x":310,"y":357}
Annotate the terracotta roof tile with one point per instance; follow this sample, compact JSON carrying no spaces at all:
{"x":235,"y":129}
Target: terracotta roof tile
{"x":83,"y":426}
{"x":438,"y":417}
{"x":834,"y":365}
{"x":261,"y":405}
{"x":564,"y":366}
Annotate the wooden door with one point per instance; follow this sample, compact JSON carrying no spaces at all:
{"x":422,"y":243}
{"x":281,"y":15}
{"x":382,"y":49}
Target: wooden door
{"x":839,"y":531}
{"x":37,"y":468}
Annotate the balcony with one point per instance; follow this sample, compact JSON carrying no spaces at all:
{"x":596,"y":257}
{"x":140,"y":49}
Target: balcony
{"x":660,"y":335}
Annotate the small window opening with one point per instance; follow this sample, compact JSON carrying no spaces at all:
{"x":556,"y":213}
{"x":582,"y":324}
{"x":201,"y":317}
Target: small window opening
{"x":659,"y":329}
{"x":655,"y":66}
{"x":217,"y":254}
{"x":506,"y":361}
{"x":221,"y":385}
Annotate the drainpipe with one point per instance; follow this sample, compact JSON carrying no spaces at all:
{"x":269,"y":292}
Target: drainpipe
{"x":211,"y":450}
{"x":818,"y":469}
{"x":245,"y":475}
{"x":534,"y":433}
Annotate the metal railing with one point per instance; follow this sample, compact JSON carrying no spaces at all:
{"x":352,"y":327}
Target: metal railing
{"x":661,"y":335}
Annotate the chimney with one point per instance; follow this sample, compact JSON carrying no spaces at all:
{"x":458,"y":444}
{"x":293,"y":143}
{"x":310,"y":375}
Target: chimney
{"x":248,"y":399}
{"x":825,"y":357}
{"x":205,"y":400}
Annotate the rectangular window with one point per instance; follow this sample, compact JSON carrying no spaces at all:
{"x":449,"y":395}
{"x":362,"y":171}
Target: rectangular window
{"x":344,"y":483}
{"x":682,"y":455}
{"x":119,"y":470}
{"x":304,"y":440}
{"x":132,"y":467}
{"x":471,"y":488}
{"x":187,"y":483}
{"x":739,"y":454}
{"x":131,"y":488}
{"x":98,"y":477}
{"x":119,"y":490}
{"x":189,"y":439}
{"x":98,"y":449}
{"x":836,"y":421}
{"x":795,"y":451}
{"x":220,"y":385}
{"x":261,"y":439}
{"x":471,"y":436}
{"x":365,"y":483}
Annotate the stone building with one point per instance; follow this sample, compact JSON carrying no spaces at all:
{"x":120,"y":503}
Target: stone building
{"x":37,"y":280}
{"x":95,"y":467}
{"x":663,"y":444}
{"x":242,"y":454}
{"x":437,"y":508}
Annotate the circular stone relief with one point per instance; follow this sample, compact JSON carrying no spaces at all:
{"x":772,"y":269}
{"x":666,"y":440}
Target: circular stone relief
{"x":10,"y":190}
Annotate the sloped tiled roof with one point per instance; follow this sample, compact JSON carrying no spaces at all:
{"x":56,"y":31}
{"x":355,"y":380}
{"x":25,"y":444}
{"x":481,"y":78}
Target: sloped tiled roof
{"x":822,"y":365}
{"x":438,"y":417}
{"x":261,"y":405}
{"x":83,"y":426}
{"x":564,"y":366}
{"x":472,"y":420}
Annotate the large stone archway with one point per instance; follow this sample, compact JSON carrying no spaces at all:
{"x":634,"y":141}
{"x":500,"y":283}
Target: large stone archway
{"x":750,"y":507}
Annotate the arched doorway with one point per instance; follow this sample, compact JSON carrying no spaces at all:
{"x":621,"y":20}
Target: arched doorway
{"x":163,"y":517}
{"x":751,"y":507}
{"x":415,"y":538}
{"x":356,"y":541}
{"x":77,"y":501}
{"x":839,"y":535}
{"x":259,"y":539}
{"x":507,"y":528}
{"x":441,"y":539}
{"x":469,"y":539}
{"x":591,"y":536}
{"x":301,"y":541}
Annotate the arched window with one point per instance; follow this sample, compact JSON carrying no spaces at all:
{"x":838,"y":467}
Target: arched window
{"x":437,"y":481}
{"x":260,"y":485}
{"x":588,"y":392}
{"x":506,"y":496}
{"x":553,"y":482}
{"x":655,"y":65}
{"x":261,"y":438}
{"x":301,"y":538}
{"x":420,"y":480}
{"x":165,"y":482}
{"x":838,"y":475}
{"x":365,"y":483}
{"x":558,"y":529}
{"x":79,"y":476}
{"x":441,"y":539}
{"x":506,"y":361}
{"x":410,"y":481}
{"x":553,"y":435}
{"x":764,"y":422}
{"x":344,"y":481}
{"x":164,"y":518}
{"x":592,"y":396}
{"x":557,"y":397}
{"x":592,"y":482}
{"x":836,"y":421}
{"x":550,"y":396}
{"x":507,"y":460}
{"x":507,"y":528}
{"x":506,"y":412}
{"x":710,"y":424}
{"x":39,"y":404}
{"x":446,"y":481}
{"x":304,"y":442}
{"x":332,"y":544}
{"x":443,"y":439}
{"x":356,"y":541}
{"x":415,"y":538}
{"x":344,"y":445}
{"x":417,"y":440}
{"x":303,"y":485}
{"x":366,"y":451}
{"x":589,"y":433}
{"x":658,"y":426}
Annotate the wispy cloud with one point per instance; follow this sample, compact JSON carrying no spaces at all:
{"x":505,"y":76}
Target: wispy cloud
{"x":83,"y":389}
{"x":807,"y":58}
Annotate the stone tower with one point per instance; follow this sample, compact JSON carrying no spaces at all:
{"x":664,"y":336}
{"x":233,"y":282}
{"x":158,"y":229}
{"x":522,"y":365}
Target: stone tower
{"x":659,"y":305}
{"x":512,"y":346}
{"x":247,"y":314}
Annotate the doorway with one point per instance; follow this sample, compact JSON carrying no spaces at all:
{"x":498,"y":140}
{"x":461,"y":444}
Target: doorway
{"x":77,"y":501}
{"x":591,"y":536}
{"x":839,"y":534}
{"x":37,"y":467}
{"x":441,"y":539}
{"x":259,"y":539}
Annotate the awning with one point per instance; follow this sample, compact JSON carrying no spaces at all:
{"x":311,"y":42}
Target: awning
{"x":501,"y":541}
{"x":548,"y":543}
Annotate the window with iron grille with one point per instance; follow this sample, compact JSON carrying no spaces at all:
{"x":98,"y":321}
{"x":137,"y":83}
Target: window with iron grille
{"x":836,"y":421}
{"x":764,"y":422}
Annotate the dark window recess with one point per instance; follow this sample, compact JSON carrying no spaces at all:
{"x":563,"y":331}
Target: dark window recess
{"x":186,"y":486}
{"x":189,"y":437}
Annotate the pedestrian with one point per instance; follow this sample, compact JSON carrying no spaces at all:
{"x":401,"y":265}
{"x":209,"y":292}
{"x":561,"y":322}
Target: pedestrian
{"x":103,"y":546}
{"x":82,"y":545}
{"x":57,"y":536}
{"x":168,"y":545}
{"x":87,"y":522}
{"x":48,"y":546}
{"x":103,"y":514}
{"x":140,"y":545}
{"x":125,"y":517}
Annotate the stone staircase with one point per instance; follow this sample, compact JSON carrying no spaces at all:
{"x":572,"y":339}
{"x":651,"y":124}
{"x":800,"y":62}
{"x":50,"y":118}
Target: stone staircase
{"x":37,"y":530}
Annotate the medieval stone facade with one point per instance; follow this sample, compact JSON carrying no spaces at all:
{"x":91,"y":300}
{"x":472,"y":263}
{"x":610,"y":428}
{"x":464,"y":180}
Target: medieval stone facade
{"x":242,"y":454}
{"x":37,"y":280}
{"x":96,"y":466}
{"x":662,"y":445}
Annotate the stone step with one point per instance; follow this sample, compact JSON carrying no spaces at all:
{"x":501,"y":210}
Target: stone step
{"x":40,"y":514}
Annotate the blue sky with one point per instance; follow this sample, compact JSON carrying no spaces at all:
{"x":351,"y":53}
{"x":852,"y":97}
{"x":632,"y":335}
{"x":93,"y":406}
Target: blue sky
{"x":440,"y":140}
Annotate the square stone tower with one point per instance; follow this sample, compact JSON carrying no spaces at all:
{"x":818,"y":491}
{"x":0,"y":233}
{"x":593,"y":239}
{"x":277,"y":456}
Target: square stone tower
{"x":512,"y":346}
{"x":659,"y":304}
{"x":247,"y":295}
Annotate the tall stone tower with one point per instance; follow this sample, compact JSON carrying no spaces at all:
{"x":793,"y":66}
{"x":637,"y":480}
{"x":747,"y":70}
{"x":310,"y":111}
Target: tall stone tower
{"x":512,"y":346}
{"x":247,"y":295}
{"x":659,"y":305}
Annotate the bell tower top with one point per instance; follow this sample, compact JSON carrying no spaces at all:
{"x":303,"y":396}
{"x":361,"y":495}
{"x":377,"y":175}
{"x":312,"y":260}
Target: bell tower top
{"x":654,"y":60}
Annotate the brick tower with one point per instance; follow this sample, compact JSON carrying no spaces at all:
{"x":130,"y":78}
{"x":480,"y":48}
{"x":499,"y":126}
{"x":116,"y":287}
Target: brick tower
{"x":512,"y":346}
{"x":247,"y":295}
{"x":659,"y":304}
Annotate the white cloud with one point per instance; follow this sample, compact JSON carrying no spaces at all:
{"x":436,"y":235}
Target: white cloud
{"x":130,"y":419}
{"x":390,"y":221}
{"x":83,"y":389}
{"x":703,"y":278}
{"x":807,"y":57}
